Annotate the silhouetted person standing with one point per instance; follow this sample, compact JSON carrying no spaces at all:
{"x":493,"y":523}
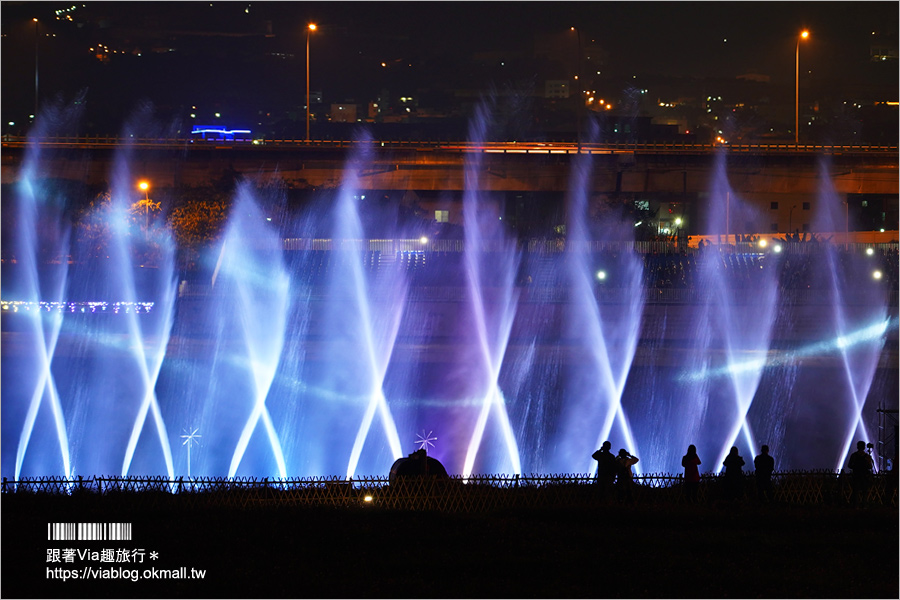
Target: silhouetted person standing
{"x":733,"y":474}
{"x":625,"y":478}
{"x":691,"y":464}
{"x":765,"y":466}
{"x":862,"y":465}
{"x":606,"y":469}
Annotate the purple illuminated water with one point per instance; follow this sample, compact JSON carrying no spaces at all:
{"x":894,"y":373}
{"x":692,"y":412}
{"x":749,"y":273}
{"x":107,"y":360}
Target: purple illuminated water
{"x":330,"y":356}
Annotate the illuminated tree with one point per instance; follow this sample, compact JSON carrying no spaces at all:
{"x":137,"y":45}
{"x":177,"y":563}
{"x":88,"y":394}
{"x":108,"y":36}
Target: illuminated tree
{"x":94,"y":230}
{"x":198,"y":221}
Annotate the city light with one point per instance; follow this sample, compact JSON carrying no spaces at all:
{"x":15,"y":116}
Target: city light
{"x":601,"y":275}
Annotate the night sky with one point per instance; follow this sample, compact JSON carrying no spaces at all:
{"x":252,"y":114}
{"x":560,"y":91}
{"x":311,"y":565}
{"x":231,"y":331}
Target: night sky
{"x":421,"y":43}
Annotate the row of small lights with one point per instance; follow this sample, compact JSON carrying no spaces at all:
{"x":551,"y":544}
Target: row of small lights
{"x":876,"y":274}
{"x":72,"y":307}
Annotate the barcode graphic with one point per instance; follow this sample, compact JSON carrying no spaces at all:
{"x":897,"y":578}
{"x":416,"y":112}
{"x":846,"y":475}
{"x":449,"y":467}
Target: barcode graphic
{"x":88,"y":531}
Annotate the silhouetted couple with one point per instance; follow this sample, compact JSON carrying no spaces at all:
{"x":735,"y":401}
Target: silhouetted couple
{"x":614,"y":471}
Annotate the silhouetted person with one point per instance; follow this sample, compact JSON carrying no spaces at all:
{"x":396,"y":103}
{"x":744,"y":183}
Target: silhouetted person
{"x":606,"y":469}
{"x":691,"y":464}
{"x":861,"y":464}
{"x":624,"y":476}
{"x":765,"y":466}
{"x":733,"y":474}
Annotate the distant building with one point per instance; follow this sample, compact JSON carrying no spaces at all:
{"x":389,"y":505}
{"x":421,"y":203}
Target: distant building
{"x":882,"y":51}
{"x":556,"y":88}
{"x":343,"y":113}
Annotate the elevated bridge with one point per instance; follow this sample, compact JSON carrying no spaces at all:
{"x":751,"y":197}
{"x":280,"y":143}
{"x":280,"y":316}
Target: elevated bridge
{"x":776,"y":177}
{"x":505,"y":166}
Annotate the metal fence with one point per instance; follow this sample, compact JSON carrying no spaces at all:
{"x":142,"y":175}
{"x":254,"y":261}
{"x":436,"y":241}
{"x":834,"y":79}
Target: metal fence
{"x":459,"y":495}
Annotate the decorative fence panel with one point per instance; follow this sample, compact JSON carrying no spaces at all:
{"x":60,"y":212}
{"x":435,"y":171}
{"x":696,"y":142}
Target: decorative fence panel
{"x":474,"y":494}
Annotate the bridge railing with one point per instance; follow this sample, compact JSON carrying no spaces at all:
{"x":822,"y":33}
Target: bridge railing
{"x":506,"y":147}
{"x":477,"y":493}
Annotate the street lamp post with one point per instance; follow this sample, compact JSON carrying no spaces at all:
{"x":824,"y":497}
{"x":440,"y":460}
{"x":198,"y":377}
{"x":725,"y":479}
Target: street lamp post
{"x":309,"y":29}
{"x":578,"y":92}
{"x":145,"y":187}
{"x":35,"y":67}
{"x":803,"y":35}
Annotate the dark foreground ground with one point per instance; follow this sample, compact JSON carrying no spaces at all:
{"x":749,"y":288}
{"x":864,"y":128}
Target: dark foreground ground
{"x":713,"y":551}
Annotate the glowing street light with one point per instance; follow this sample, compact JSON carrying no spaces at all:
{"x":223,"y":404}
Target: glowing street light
{"x":803,"y":35}
{"x":144,"y":186}
{"x":309,"y":29}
